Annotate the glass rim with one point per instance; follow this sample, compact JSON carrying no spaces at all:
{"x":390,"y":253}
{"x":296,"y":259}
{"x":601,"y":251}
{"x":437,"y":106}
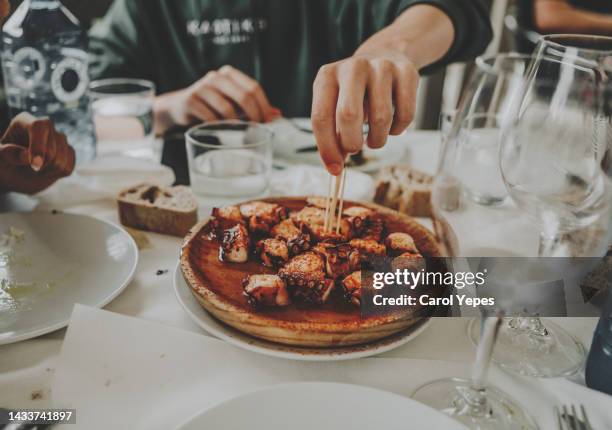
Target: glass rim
{"x":147,"y":86}
{"x":549,"y":39}
{"x":483,"y":61}
{"x":190,"y":140}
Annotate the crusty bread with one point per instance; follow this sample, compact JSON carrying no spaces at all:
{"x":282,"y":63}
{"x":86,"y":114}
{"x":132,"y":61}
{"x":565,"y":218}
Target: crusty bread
{"x":404,"y":189}
{"x":165,"y":210}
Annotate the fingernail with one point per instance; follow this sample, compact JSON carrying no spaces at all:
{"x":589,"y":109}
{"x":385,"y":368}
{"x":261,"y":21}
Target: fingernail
{"x":37,"y":163}
{"x":335,"y":169}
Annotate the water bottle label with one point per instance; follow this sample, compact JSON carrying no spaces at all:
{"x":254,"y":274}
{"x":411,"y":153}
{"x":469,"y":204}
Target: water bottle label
{"x":30,"y":66}
{"x":70,"y":79}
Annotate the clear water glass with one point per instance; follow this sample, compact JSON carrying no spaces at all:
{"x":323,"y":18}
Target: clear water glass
{"x":123,"y":116}
{"x":478,"y":161}
{"x":229,"y":160}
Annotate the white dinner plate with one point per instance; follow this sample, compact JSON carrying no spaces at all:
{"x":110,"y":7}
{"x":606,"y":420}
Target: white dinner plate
{"x":289,"y":143}
{"x":321,"y":406}
{"x":50,"y":261}
{"x":229,"y":334}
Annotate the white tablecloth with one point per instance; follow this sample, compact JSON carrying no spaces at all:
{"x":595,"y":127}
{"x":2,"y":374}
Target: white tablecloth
{"x":27,"y":368}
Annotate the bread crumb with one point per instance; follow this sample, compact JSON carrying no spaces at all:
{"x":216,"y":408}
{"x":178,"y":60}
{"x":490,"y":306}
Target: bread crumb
{"x":37,"y":395}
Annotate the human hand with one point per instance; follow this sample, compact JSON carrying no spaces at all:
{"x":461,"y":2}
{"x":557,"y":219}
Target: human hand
{"x":226,"y":93}
{"x":33,"y":155}
{"x":378,"y":88}
{"x":5,"y":8}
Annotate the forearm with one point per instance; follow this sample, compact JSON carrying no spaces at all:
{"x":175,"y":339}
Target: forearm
{"x":553,"y":16}
{"x":162,"y":112}
{"x":422,"y":33}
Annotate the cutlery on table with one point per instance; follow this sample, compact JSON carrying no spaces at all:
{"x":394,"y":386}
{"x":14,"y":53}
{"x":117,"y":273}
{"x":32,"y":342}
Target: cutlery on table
{"x":569,"y":419}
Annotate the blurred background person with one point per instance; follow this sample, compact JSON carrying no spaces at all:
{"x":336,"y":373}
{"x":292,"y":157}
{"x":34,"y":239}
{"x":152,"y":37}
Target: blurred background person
{"x":529,"y":19}
{"x":33,"y":155}
{"x":215,"y":59}
{"x":568,"y":16}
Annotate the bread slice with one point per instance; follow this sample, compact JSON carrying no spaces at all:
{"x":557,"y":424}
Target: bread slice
{"x":165,"y":210}
{"x":405,"y":189}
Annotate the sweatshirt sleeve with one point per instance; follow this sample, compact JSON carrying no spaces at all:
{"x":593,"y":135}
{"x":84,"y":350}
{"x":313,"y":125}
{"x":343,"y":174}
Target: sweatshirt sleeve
{"x":472,"y":25}
{"x":353,"y":21}
{"x":117,"y":43}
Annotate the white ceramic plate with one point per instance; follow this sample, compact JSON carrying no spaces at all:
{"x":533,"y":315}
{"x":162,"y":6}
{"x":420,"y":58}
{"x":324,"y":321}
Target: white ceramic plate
{"x":289,"y":140}
{"x":224,"y":332}
{"x":321,"y":406}
{"x":50,"y":261}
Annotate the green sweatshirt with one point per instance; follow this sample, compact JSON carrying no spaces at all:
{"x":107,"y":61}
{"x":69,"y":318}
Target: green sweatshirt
{"x":281,"y":43}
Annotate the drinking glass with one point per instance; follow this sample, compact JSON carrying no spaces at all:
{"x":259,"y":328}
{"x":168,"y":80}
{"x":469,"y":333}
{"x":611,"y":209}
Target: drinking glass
{"x":123,"y":116}
{"x":478,"y":161}
{"x":229,"y":160}
{"x":591,"y":52}
{"x":554,"y":140}
{"x":474,"y":402}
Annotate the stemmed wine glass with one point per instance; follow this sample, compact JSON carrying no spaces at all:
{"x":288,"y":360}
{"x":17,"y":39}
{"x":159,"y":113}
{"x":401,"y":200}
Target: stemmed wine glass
{"x":554,"y":141}
{"x":470,"y":201}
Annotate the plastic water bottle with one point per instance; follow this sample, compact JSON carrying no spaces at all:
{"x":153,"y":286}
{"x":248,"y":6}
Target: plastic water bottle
{"x":599,"y":362}
{"x":45,"y":68}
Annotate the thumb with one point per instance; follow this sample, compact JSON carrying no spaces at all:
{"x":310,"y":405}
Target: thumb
{"x":14,"y":155}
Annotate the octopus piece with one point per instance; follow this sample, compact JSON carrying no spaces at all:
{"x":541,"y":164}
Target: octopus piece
{"x":228,"y":213}
{"x":223,"y":219}
{"x":308,"y":216}
{"x":265,"y":290}
{"x":318,"y":202}
{"x":297,"y":241}
{"x":351,"y":287}
{"x":340,"y":259}
{"x":366,"y":223}
{"x":262,"y":216}
{"x":312,"y":220}
{"x":408,"y":261}
{"x":305,"y":277}
{"x":372,"y":228}
{"x":400,"y":243}
{"x":235,"y":245}
{"x":359,"y":211}
{"x":368,"y":248}
{"x":272,"y":252}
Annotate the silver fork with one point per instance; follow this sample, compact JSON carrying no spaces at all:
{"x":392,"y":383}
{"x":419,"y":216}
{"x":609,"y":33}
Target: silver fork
{"x":569,"y":419}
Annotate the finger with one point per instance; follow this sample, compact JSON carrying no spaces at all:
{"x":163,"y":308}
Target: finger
{"x":380,"y":104}
{"x":323,"y":116}
{"x":214,"y":100}
{"x":65,"y":158}
{"x":353,"y":77}
{"x":199,"y":110}
{"x":405,"y":87}
{"x":245,"y":101}
{"x":14,"y":155}
{"x":40,"y":134}
{"x":51,"y":149}
{"x":17,"y":131}
{"x":252,"y":87}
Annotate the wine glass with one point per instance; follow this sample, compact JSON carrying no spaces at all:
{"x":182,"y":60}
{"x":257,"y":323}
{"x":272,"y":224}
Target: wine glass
{"x":554,"y":141}
{"x":467,"y":206}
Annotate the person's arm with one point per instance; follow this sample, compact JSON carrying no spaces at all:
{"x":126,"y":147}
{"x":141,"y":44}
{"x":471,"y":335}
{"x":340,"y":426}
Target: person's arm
{"x":226,"y":93}
{"x":378,"y":84}
{"x":559,"y":16}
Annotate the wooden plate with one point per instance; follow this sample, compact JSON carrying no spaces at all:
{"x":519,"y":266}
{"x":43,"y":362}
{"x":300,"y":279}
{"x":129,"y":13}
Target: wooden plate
{"x":218,"y":288}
